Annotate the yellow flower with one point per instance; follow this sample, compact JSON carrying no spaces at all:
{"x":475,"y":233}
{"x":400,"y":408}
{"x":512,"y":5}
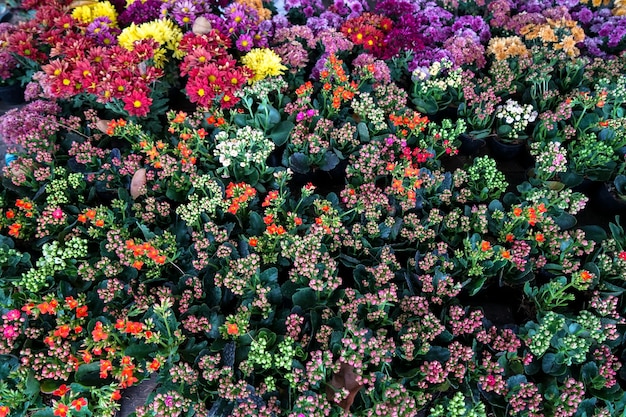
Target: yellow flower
{"x":264,"y":62}
{"x":164,"y":31}
{"x":89,"y":12}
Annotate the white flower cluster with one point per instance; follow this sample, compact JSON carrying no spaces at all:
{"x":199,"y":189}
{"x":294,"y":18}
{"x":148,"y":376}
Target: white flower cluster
{"x":249,"y":147}
{"x":439,"y":76}
{"x":516,"y":115}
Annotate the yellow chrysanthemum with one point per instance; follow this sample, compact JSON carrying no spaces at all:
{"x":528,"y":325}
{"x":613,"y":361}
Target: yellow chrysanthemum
{"x":164,"y":31}
{"x":89,"y":12}
{"x":264,"y":62}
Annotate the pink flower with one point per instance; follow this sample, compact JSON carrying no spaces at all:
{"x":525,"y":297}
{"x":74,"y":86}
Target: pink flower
{"x":57,"y":214}
{"x":9,"y":332}
{"x":13,"y":314}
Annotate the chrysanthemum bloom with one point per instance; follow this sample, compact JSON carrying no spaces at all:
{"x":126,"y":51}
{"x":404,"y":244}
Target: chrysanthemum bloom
{"x":165,"y":32}
{"x":90,"y":12}
{"x":264,"y":63}
{"x":137,"y":103}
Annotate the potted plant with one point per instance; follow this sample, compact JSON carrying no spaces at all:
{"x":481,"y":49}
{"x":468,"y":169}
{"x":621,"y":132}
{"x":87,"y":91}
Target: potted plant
{"x":512,"y":120}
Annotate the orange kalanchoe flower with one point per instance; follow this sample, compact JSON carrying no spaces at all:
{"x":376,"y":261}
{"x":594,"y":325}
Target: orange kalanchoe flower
{"x":232,"y":329}
{"x":61,"y":410}
{"x":79,"y":403}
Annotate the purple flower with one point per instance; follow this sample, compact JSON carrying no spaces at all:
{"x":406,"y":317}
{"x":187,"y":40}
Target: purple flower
{"x":476,"y":24}
{"x":583,"y":16}
{"x":140,"y":12}
{"x":245,"y":43}
{"x":308,"y":7}
{"x":185,"y":12}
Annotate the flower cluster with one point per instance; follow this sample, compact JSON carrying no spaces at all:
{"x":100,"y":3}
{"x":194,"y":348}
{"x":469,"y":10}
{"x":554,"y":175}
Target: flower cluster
{"x":513,"y":118}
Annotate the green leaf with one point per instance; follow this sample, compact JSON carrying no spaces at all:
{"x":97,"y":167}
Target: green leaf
{"x":588,"y":372}
{"x":516,"y":381}
{"x":427,"y":105}
{"x":299,"y":162}
{"x":504,"y":130}
{"x":330,"y":161}
{"x":304,"y":297}
{"x":280,"y":133}
{"x":139,"y":350}
{"x":551,"y":364}
{"x":89,"y":374}
{"x":363,"y":131}
{"x":565,"y":221}
{"x":269,"y":276}
{"x":257,"y":225}
{"x":595,"y":233}
{"x":46,"y":412}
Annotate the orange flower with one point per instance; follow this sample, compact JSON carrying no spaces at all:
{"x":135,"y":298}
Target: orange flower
{"x":61,"y":410}
{"x":91,"y":214}
{"x":517,"y":211}
{"x":98,"y":333}
{"x":539,"y":237}
{"x":253,"y":241}
{"x":155,"y":365}
{"x":116,"y":396}
{"x":62,"y":331}
{"x":137,"y":264}
{"x":232,"y":329}
{"x":505,"y":254}
{"x":4,"y":411}
{"x":10,"y":214}
{"x":82,"y":218}
{"x":71,"y":302}
{"x":180,"y":117}
{"x":585,"y":276}
{"x":485,"y":246}
{"x":87,"y":357}
{"x":79,"y":403}
{"x":14,"y":230}
{"x":61,"y":391}
{"x":105,"y":367}
{"x":99,"y":223}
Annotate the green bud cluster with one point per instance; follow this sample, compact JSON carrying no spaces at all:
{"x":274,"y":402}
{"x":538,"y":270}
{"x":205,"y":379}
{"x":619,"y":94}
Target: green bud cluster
{"x":258,"y":353}
{"x":457,"y":407}
{"x":286,"y":354}
{"x":55,"y":258}
{"x":540,"y":339}
{"x":485,"y":178}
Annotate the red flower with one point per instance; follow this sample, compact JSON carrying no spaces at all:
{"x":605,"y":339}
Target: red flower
{"x":61,"y":410}
{"x":4,"y":411}
{"x":98,"y":333}
{"x":137,"y":103}
{"x":61,"y":391}
{"x":81,"y":311}
{"x":79,"y":403}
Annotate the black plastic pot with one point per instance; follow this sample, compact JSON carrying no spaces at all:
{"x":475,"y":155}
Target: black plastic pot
{"x":470,"y":145}
{"x":12,"y":94}
{"x":505,"y":151}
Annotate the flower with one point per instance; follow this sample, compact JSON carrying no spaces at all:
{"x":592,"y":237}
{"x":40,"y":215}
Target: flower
{"x":264,"y":63}
{"x":163,"y":31}
{"x":512,"y":119}
{"x":89,"y":12}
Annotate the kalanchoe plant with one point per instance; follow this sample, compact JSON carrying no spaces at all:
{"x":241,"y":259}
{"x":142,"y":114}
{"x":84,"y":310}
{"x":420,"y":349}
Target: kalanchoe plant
{"x":298,"y":235}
